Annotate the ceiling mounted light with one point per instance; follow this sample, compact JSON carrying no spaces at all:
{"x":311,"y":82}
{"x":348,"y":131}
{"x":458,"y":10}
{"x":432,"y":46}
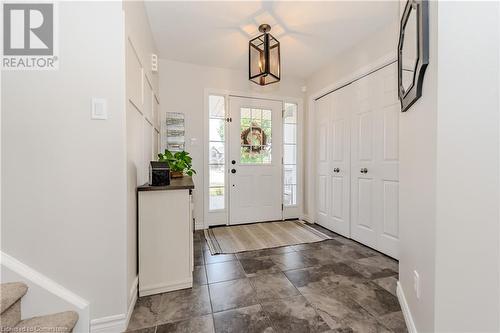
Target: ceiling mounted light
{"x":264,"y":65}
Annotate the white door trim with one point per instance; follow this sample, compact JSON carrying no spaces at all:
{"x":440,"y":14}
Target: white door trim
{"x":294,"y":211}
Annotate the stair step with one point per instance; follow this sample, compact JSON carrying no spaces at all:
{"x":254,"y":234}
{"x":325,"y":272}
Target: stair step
{"x":10,"y":317}
{"x":62,"y":322}
{"x":10,"y":293}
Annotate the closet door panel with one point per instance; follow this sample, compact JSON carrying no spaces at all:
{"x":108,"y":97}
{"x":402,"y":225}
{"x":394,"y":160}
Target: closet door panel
{"x":338,"y":200}
{"x":339,"y":140}
{"x":364,"y":212}
{"x":364,"y":132}
{"x":340,"y":163}
{"x":391,"y":133}
{"x":323,"y":162}
{"x":363,"y":168}
{"x":388,"y":162}
{"x":322,"y":196}
{"x":390,"y":226}
{"x":357,"y":158}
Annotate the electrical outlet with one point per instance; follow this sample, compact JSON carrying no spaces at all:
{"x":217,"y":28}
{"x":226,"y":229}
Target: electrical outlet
{"x":416,"y":283}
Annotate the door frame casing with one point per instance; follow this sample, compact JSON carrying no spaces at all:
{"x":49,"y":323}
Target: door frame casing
{"x":268,"y":205}
{"x":212,"y":218}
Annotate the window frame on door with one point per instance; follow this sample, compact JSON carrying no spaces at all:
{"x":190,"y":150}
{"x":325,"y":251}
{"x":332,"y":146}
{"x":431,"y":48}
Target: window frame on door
{"x":294,"y":143}
{"x":221,"y":217}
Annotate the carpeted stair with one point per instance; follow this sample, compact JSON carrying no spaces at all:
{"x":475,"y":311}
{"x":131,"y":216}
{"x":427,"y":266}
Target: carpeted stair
{"x":10,"y":313}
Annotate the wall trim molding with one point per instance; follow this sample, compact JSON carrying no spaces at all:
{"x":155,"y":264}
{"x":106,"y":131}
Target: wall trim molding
{"x":356,"y":75}
{"x":410,"y":324}
{"x":132,"y":297}
{"x":80,"y":304}
{"x":306,"y":218}
{"x":115,"y":323}
{"x":163,"y":288}
{"x":199,"y":225}
{"x":42,"y":281}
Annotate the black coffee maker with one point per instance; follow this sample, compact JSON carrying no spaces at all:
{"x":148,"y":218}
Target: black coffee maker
{"x":159,"y":173}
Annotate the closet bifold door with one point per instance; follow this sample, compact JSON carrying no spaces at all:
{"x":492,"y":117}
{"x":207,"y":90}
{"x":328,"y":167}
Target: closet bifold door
{"x":374,"y":162}
{"x":333,"y":172}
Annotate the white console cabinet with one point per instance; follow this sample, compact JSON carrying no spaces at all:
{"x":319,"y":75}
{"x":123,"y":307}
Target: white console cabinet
{"x":165,"y":237}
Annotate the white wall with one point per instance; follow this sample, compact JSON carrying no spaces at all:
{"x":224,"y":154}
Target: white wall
{"x":467,"y":229}
{"x":449,"y":175}
{"x":449,"y":169}
{"x":143,"y":127}
{"x":63,"y":174}
{"x":379,"y":48}
{"x":182,"y":89}
{"x":417,"y":196}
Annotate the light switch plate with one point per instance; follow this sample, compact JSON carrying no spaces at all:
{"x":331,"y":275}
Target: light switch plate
{"x":99,"y":109}
{"x":154,"y":63}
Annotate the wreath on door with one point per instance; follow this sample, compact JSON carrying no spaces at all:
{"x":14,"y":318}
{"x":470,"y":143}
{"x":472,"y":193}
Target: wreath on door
{"x":254,"y":138}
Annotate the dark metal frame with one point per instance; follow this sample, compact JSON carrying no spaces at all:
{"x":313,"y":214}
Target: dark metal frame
{"x":264,"y":38}
{"x":414,"y":92}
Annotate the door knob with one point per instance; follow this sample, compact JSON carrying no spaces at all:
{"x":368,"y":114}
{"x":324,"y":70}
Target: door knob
{"x":336,"y":170}
{"x":364,"y":170}
{"x":233,"y":162}
{"x":233,"y":170}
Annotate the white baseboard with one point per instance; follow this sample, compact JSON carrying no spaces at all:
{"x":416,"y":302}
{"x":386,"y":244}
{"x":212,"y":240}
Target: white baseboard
{"x":163,"y":288}
{"x":410,"y":324}
{"x":117,"y":323}
{"x":44,"y":296}
{"x":199,"y":226}
{"x":110,"y":324}
{"x":306,"y":218}
{"x":132,"y":297}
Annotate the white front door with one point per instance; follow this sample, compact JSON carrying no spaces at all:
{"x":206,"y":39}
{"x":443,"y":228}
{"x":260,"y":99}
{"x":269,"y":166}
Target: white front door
{"x":255,"y":160}
{"x":332,"y":121}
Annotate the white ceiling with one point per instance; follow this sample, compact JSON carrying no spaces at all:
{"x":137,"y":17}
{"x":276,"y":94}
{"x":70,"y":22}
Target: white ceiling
{"x":217,"y":33}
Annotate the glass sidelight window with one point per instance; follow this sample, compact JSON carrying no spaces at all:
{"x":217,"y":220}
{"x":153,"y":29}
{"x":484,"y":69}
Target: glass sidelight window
{"x":290,"y":115}
{"x":216,"y":152}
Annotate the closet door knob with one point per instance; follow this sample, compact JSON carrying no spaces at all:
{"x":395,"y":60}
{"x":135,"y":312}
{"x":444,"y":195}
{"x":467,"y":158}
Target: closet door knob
{"x":336,"y":170}
{"x":364,"y":170}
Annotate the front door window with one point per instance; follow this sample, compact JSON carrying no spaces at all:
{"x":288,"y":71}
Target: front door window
{"x":256,"y":136}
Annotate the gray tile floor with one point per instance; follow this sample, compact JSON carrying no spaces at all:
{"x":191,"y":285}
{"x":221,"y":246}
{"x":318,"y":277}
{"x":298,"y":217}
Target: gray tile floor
{"x":333,"y":286}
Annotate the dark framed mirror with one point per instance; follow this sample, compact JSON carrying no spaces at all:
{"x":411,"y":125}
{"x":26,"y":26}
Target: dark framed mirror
{"x":413,"y":51}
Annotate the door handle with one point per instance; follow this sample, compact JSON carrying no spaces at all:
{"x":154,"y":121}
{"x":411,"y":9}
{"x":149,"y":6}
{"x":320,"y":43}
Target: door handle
{"x":233,"y":170}
{"x":364,"y":170}
{"x":336,"y":170}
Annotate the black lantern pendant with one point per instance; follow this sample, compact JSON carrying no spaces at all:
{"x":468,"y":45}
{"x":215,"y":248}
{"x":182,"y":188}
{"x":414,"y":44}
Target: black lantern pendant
{"x":264,"y":65}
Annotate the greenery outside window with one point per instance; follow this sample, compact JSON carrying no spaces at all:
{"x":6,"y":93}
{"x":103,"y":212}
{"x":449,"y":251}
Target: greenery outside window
{"x":216,"y":152}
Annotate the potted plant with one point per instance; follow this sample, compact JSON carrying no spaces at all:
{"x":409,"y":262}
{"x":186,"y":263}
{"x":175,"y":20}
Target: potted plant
{"x":180,"y":163}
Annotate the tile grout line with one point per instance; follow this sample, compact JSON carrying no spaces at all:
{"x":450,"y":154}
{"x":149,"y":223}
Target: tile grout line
{"x":260,"y":303}
{"x":209,"y":293}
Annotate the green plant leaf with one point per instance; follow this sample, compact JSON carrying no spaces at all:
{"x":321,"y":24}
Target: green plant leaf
{"x":178,"y":161}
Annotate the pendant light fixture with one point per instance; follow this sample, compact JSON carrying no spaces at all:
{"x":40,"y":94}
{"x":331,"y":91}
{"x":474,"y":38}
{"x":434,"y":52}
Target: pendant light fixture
{"x":264,"y":66}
